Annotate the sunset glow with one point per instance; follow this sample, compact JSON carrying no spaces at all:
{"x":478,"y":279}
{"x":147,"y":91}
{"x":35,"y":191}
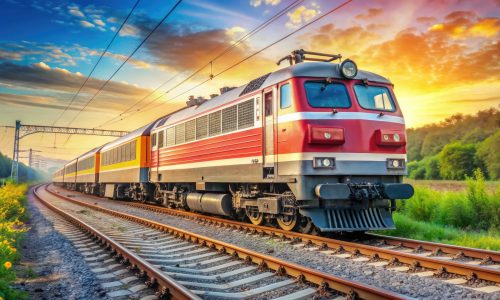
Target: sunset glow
{"x":442,"y":56}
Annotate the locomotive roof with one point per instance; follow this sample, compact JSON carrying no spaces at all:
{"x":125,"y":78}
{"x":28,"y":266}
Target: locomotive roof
{"x":144,"y":130}
{"x":305,"y":69}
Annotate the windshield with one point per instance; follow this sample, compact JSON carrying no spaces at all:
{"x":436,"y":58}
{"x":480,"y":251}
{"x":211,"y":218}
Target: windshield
{"x":332,"y":95}
{"x":374,"y":97}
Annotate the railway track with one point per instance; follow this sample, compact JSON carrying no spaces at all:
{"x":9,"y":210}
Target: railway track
{"x":476,"y":268}
{"x":184,"y":265}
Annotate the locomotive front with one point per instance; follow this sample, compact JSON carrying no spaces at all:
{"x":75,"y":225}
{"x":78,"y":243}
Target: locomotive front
{"x":342,"y":145}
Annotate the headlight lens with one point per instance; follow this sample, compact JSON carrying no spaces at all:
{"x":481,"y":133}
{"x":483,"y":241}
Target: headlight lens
{"x":324,"y":162}
{"x":396,"y":137}
{"x":348,"y":69}
{"x":395,"y":163}
{"x":328,"y":135}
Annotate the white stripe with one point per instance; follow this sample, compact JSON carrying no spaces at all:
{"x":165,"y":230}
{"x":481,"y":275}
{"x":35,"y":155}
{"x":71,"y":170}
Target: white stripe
{"x":339,"y":156}
{"x":214,"y":163}
{"x":313,"y":115}
{"x":284,"y":158}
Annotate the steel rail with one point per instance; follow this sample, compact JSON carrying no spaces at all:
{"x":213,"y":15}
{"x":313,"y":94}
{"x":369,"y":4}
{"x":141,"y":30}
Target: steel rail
{"x":324,"y":280}
{"x":446,"y":248}
{"x":414,"y":260}
{"x":168,"y":286}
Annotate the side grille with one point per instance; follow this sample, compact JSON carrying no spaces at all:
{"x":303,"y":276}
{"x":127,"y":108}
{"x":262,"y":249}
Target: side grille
{"x":246,"y":114}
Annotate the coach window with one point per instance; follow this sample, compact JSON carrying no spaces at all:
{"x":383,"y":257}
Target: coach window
{"x":153,"y":140}
{"x":285,"y":96}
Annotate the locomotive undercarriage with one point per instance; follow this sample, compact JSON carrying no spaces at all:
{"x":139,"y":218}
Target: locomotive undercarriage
{"x":337,"y":204}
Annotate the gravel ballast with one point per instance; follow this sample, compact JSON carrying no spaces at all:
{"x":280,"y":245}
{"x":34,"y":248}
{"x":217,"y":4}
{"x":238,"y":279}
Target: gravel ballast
{"x":403,"y":283}
{"x":51,"y":267}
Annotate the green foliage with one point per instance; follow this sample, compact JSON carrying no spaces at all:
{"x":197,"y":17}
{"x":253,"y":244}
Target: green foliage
{"x":447,"y":150}
{"x":12,"y":200}
{"x":473,"y":209}
{"x":457,"y":161}
{"x":488,"y":152}
{"x":25,"y":173}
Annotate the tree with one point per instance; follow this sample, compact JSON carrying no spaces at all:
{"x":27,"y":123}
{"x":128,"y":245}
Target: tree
{"x":432,"y":168}
{"x":488,"y":152}
{"x":457,"y":161}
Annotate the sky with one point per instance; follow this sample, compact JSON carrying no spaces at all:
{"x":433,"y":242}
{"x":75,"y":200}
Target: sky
{"x":441,"y":55}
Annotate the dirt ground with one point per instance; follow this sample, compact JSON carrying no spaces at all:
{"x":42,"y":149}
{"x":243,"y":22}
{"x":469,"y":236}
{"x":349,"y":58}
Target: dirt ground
{"x":451,"y":185}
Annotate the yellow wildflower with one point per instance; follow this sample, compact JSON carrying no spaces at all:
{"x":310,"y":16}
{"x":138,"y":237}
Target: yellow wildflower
{"x":7,"y":265}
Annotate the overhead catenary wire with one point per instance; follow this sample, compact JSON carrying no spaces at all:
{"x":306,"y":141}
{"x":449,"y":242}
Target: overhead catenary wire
{"x":126,"y":60}
{"x":209,"y":63}
{"x":240,"y":61}
{"x":97,"y":62}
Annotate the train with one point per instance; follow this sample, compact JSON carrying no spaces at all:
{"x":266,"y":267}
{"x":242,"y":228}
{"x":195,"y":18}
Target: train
{"x":316,"y":146}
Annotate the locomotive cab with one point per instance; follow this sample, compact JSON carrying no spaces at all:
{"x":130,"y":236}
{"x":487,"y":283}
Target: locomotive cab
{"x":341,"y":144}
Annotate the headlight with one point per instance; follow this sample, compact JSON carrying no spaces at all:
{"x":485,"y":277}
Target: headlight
{"x":396,"y":137}
{"x":393,"y":163}
{"x":324,"y":162}
{"x":348,"y":69}
{"x":328,"y":135}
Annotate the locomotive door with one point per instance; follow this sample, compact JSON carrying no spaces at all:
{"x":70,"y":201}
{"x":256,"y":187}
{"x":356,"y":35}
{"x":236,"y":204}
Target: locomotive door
{"x":268,"y":132}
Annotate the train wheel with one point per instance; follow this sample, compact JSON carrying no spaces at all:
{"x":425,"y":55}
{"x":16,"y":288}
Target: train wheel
{"x":306,"y":225}
{"x":288,"y":222}
{"x":255,"y":217}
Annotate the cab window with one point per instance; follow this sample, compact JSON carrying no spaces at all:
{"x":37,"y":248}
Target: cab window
{"x":374,"y":97}
{"x":285,"y":96}
{"x":327,"y":95}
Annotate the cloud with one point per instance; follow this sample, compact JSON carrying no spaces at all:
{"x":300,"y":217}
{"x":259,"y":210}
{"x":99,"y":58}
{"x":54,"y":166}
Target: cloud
{"x":112,"y":20}
{"x":301,"y":15}
{"x":75,"y":11}
{"x":466,"y":24}
{"x":370,"y":14}
{"x":10,"y":55}
{"x":137,"y":63}
{"x":31,"y":101}
{"x":129,"y":30}
{"x":235,"y":32}
{"x":426,"y":20}
{"x":42,"y":77}
{"x":86,"y":24}
{"x":99,"y":22}
{"x":257,"y":3}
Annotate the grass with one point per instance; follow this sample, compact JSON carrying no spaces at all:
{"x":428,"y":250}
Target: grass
{"x":468,"y":217}
{"x":420,"y":230}
{"x":12,"y":216}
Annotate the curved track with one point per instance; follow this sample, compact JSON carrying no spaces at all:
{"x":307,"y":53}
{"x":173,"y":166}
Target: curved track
{"x":144,"y":244}
{"x":444,"y":260}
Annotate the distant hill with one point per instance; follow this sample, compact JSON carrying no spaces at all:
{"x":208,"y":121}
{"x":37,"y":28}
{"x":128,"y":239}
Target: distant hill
{"x":25,"y":173}
{"x":453,"y":148}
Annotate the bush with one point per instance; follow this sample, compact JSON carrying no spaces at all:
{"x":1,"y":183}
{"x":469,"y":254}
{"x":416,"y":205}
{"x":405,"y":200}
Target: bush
{"x":474,"y":209}
{"x":457,"y":161}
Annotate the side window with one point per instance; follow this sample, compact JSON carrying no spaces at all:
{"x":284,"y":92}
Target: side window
{"x":285,"y":96}
{"x":268,"y":104}
{"x":153,"y":140}
{"x":161,"y":139}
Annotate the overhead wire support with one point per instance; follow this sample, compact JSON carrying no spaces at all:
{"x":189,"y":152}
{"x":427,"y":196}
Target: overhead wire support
{"x":97,"y":63}
{"x":126,"y":60}
{"x":242,"y":60}
{"x":239,"y":41}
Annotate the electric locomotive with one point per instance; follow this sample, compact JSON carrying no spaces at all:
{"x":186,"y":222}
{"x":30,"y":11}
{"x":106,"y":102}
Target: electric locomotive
{"x":313,"y":146}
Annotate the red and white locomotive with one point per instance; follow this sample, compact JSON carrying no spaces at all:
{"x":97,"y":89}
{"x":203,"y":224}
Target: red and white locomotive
{"x":315,"y":145}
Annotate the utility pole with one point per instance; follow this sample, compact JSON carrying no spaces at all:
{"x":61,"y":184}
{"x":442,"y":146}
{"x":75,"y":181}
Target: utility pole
{"x":14,"y":171}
